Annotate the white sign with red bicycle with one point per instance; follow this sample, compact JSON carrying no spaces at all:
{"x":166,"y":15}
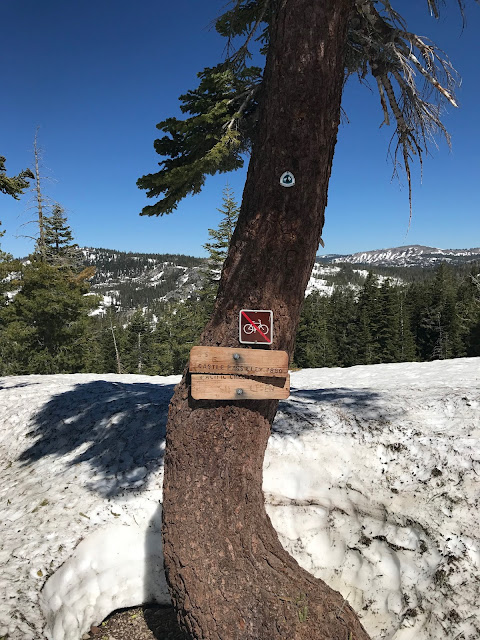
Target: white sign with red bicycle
{"x":255,"y":326}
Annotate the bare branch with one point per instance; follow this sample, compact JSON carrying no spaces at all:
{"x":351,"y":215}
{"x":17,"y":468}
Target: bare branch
{"x":396,"y":57}
{"x":242,"y":108}
{"x":243,"y":52}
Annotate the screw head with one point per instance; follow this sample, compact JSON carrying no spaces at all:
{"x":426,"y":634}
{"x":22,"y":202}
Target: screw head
{"x":239,"y":392}
{"x":236,"y":356}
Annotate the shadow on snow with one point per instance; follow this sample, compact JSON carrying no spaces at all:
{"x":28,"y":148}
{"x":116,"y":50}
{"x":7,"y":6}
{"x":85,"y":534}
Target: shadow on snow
{"x":117,"y":428}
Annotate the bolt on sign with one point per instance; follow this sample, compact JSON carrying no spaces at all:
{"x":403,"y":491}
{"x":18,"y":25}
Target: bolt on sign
{"x":223,"y":373}
{"x":255,"y":326}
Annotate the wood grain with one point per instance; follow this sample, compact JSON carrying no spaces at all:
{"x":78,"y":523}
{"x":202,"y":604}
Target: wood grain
{"x":227,"y":387}
{"x":251,"y":362}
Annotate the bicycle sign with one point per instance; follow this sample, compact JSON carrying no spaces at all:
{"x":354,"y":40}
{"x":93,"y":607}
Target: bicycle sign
{"x":255,"y":326}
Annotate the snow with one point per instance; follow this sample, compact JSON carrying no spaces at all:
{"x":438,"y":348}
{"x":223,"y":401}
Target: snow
{"x":370,"y":478}
{"x":318,"y":283}
{"x":106,"y":301}
{"x":410,"y":255}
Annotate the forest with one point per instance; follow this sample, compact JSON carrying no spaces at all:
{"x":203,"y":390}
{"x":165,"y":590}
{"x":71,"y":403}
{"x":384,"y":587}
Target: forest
{"x":49,"y":320}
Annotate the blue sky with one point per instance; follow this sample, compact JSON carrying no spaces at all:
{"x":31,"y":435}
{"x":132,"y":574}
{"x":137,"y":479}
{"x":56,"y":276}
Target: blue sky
{"x":96,"y":77}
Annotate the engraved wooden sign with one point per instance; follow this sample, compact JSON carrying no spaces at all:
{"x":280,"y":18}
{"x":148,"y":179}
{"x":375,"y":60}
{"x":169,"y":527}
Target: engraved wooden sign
{"x":248,"y":362}
{"x":223,"y":373}
{"x":228,"y":387}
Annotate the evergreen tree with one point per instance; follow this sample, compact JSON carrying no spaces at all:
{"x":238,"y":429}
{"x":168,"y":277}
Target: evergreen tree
{"x":46,"y":323}
{"x":311,"y":46}
{"x":369,"y":319}
{"x":314,"y":346}
{"x":40,"y":201}
{"x":113,"y":342}
{"x":439,"y":326}
{"x":183,"y":323}
{"x":217,"y":248}
{"x":408,"y":349}
{"x":6,"y":284}
{"x":60,"y":249}
{"x":388,"y":336}
{"x":138,"y":344}
{"x":15,"y":185}
{"x":3,"y":255}
{"x":163,"y":349}
{"x":343,"y":314}
{"x":469,"y":295}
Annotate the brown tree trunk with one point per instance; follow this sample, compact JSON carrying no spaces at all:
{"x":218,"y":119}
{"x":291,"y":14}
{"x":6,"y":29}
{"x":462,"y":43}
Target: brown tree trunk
{"x":229,"y":576}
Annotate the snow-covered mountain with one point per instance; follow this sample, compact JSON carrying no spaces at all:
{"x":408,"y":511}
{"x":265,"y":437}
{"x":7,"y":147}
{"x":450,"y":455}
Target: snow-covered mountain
{"x":132,"y":280}
{"x":371,"y":479}
{"x":409,"y":256}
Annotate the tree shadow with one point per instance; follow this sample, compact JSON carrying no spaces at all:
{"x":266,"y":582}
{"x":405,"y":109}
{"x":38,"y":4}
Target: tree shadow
{"x":118,"y":428}
{"x":5,"y":385}
{"x":303,"y":410}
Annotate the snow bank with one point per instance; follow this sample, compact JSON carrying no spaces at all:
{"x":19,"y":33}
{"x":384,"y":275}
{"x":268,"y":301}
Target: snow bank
{"x":370,"y":478}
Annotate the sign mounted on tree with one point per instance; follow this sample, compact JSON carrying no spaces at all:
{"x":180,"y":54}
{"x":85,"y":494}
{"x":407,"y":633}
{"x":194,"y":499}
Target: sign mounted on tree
{"x":287,"y":179}
{"x":255,"y":326}
{"x":223,"y":373}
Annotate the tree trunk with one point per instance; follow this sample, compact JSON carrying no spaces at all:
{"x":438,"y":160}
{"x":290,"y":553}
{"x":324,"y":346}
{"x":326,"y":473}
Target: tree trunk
{"x":38,"y":192}
{"x":228,"y":574}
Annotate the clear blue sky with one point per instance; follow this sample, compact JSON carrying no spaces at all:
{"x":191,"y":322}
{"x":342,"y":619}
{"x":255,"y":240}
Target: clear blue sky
{"x":97,"y":77}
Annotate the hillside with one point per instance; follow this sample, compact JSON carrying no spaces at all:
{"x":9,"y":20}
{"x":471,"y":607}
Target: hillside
{"x":370,"y":478}
{"x":407,"y":256}
{"x":133,"y":280}
{"x":130,"y":281}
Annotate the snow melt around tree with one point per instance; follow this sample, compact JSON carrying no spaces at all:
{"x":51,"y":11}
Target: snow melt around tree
{"x":370,"y":479}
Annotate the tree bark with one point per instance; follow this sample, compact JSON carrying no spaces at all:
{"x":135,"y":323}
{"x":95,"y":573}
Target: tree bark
{"x":228,"y":574}
{"x":38,"y":192}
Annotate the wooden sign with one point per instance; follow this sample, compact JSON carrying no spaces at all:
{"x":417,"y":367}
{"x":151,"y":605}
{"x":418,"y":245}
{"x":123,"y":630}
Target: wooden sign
{"x":255,"y":326}
{"x":248,"y":362}
{"x":223,"y":373}
{"x":228,"y":387}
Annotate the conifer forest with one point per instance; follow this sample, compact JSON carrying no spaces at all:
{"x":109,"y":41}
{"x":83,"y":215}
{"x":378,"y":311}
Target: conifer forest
{"x":49,"y":323}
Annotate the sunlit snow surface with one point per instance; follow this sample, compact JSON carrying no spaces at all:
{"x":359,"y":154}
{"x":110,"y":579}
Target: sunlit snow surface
{"x":370,"y":478}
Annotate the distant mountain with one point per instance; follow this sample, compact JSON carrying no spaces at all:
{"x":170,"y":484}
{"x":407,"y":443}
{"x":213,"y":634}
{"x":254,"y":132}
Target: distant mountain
{"x":408,"y":256}
{"x":130,"y":281}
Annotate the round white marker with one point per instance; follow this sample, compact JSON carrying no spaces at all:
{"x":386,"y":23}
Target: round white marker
{"x":287,"y":179}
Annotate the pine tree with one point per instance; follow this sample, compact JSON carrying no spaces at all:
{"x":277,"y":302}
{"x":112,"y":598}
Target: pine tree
{"x":369,"y":318}
{"x":439,"y":324}
{"x":40,"y":201}
{"x":289,"y":117}
{"x":112,"y":342}
{"x":138,"y":343}
{"x":221,"y":237}
{"x":408,"y":349}
{"x":47,"y":322}
{"x":469,"y":312}
{"x":314,"y":345}
{"x":162,"y":351}
{"x":343,"y":322}
{"x":60,"y":249}
{"x":6,"y":284}
{"x":3,"y":255}
{"x":16,"y":185}
{"x":217,"y":250}
{"x":388,"y":328}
